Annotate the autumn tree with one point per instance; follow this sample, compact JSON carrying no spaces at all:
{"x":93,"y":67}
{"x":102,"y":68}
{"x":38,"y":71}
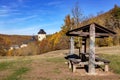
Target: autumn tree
{"x":78,"y":18}
{"x":77,"y":15}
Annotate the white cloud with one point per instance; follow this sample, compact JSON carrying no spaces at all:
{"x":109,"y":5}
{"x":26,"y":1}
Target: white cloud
{"x":12,"y":8}
{"x":18,"y":20}
{"x":4,"y":10}
{"x":55,"y":3}
{"x":22,"y":31}
{"x":30,"y":30}
{"x":7,"y":11}
{"x":22,"y":19}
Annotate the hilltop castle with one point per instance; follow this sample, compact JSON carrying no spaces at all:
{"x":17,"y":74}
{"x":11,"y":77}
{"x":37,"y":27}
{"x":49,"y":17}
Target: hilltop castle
{"x":41,"y":35}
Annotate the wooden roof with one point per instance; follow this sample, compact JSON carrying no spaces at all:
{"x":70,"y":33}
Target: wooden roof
{"x":83,"y":31}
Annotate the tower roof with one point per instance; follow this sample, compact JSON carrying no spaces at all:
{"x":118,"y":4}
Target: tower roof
{"x":41,"y":31}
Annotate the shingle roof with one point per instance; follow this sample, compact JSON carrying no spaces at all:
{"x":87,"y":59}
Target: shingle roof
{"x":41,"y":31}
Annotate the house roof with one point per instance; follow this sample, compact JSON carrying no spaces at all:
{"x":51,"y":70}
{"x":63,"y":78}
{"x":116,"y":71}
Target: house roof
{"x":41,"y":31}
{"x":83,"y":31}
{"x":33,"y":38}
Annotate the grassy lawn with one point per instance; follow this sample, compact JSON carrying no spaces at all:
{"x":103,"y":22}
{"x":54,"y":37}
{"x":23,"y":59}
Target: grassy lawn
{"x":16,"y":75}
{"x":14,"y":69}
{"x":45,"y":67}
{"x":115,"y":62}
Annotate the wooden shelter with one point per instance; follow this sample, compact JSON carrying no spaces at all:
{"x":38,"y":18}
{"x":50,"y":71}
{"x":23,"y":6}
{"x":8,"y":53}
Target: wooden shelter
{"x":90,"y":31}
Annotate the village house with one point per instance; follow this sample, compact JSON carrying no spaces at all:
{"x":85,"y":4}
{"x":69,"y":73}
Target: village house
{"x":41,"y":35}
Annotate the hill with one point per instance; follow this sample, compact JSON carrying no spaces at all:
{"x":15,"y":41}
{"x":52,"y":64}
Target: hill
{"x":7,"y":40}
{"x":110,"y":19}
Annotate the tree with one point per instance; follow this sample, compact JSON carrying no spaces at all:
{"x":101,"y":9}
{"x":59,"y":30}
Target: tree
{"x":77,"y":15}
{"x":78,"y":18}
{"x":115,"y":17}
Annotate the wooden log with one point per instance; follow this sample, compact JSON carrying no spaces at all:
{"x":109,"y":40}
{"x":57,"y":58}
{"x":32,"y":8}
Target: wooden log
{"x":91,"y":65}
{"x":99,"y":63}
{"x":71,"y":46}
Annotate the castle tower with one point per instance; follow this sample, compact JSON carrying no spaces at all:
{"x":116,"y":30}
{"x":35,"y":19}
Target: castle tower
{"x":41,"y":35}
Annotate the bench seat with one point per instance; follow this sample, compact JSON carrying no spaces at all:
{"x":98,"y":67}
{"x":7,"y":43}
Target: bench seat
{"x":73,"y":63}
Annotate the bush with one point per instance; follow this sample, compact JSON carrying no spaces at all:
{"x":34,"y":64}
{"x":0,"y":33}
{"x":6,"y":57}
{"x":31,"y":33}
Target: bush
{"x":2,"y":51}
{"x":31,"y":49}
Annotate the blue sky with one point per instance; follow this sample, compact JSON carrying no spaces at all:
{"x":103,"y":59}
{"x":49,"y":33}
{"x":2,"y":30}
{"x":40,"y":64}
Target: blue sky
{"x":26,"y":17}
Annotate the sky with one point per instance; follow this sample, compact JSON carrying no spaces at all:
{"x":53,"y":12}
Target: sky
{"x":27,"y":17}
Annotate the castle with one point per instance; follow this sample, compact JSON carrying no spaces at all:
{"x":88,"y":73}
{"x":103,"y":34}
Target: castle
{"x":41,"y":35}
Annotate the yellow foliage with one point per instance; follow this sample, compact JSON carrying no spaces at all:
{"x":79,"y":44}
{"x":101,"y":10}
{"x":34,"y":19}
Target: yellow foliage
{"x":9,"y":53}
{"x":110,"y":41}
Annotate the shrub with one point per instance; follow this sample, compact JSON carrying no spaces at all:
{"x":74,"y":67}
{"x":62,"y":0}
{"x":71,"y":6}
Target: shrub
{"x":31,"y":49}
{"x":3,"y":52}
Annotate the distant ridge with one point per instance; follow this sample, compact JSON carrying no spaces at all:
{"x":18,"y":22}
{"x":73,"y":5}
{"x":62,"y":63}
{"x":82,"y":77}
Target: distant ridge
{"x":7,"y":40}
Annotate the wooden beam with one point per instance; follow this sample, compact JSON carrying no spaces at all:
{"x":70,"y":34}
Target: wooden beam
{"x":80,"y":33}
{"x":91,"y":65}
{"x":87,"y":34}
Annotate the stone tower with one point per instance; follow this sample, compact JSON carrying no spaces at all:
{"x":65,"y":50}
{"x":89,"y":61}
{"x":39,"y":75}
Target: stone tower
{"x":41,"y":35}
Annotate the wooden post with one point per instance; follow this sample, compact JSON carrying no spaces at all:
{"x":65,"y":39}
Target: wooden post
{"x":106,"y":67}
{"x":79,"y":46}
{"x":71,"y":46}
{"x":83,"y":51}
{"x":69,"y":65}
{"x":85,"y":40}
{"x":92,"y":50}
{"x":74,"y":68}
{"x":83,"y":47}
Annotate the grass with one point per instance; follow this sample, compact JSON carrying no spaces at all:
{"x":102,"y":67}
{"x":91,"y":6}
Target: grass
{"x":44,"y":78}
{"x":16,"y":68}
{"x":56,"y":60}
{"x":5,"y":65}
{"x":17,"y":74}
{"x":56,"y":71}
{"x":115,"y":62}
{"x":48,"y":68}
{"x":12,"y":64}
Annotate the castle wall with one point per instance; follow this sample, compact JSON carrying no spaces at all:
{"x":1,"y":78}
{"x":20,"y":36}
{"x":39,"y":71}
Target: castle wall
{"x":41,"y":37}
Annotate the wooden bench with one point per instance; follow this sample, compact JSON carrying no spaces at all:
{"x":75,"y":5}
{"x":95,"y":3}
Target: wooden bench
{"x":105,"y":62}
{"x":74,"y":63}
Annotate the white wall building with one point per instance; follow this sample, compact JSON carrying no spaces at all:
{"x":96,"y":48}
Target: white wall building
{"x":41,"y":35}
{"x":23,"y":45}
{"x":14,"y":47}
